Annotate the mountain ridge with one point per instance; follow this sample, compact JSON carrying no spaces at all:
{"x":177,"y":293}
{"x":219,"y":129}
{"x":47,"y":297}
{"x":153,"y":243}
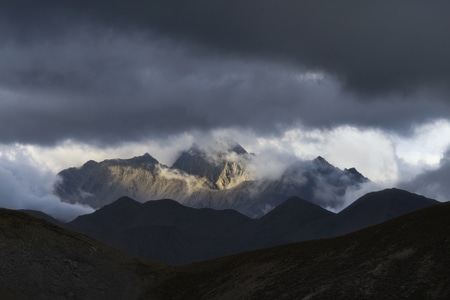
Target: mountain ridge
{"x":377,"y":207}
{"x":199,"y":234}
{"x":216,"y":179}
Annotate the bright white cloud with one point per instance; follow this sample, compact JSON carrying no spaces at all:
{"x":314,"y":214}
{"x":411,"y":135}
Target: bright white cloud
{"x":381,"y":156}
{"x":73,"y":154}
{"x":28,"y":172}
{"x":427,"y":145}
{"x":384,"y":157}
{"x":27,"y":184}
{"x":370,"y":151}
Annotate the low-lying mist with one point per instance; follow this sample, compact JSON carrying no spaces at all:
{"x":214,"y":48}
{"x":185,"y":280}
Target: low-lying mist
{"x":25,"y":184}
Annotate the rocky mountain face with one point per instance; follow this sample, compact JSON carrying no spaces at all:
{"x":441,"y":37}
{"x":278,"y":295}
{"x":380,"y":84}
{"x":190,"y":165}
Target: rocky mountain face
{"x":223,"y":169}
{"x":200,"y":178}
{"x":168,"y":232}
{"x":93,"y":183}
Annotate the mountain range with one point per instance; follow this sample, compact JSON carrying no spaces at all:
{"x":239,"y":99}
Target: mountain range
{"x":168,"y":232}
{"x":222,"y":178}
{"x":403,"y":258}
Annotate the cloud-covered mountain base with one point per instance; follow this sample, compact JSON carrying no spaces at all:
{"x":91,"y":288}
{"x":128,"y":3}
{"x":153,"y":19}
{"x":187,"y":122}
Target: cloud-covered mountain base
{"x":223,"y":178}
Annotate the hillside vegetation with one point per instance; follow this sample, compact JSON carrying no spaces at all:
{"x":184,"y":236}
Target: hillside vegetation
{"x":405,"y":258}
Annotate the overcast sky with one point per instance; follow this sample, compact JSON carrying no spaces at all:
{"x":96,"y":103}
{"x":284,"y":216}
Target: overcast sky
{"x":362,"y":83}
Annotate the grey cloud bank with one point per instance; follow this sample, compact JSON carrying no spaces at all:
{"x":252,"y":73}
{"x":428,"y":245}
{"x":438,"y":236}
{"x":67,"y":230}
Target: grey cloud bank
{"x":110,"y":71}
{"x":106,"y":87}
{"x":372,"y":46}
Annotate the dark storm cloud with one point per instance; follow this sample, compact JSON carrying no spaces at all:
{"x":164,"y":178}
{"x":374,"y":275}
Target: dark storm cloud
{"x":115,"y":71}
{"x":372,"y":46}
{"x":98,"y":85}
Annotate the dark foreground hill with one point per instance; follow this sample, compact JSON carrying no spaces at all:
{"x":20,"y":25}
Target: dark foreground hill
{"x":168,"y":232}
{"x":165,"y":230}
{"x":42,"y":261}
{"x":405,"y":258}
{"x":40,"y":215}
{"x":377,"y":207}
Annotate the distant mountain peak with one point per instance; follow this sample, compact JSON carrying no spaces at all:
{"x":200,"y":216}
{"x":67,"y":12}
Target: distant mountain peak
{"x":218,"y":148}
{"x":90,"y":164}
{"x":238,"y":149}
{"x":353,"y":171}
{"x":146,"y":155}
{"x":146,"y":158}
{"x":125,"y":200}
{"x":297,"y":206}
{"x":391,"y":200}
{"x":121,"y":204}
{"x":195,"y":149}
{"x":320,"y":161}
{"x":214,"y":163}
{"x":357,"y":175}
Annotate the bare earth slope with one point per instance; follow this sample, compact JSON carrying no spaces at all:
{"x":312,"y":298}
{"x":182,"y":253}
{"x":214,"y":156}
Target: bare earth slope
{"x":405,"y":258}
{"x":42,"y":261}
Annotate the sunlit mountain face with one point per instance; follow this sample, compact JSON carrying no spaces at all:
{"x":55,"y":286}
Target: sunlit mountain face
{"x":219,"y":179}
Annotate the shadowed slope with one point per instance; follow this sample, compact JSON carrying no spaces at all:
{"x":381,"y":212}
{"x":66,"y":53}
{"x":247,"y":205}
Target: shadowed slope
{"x":377,"y":207}
{"x":405,"y":258}
{"x":43,"y":261}
{"x":289,"y":222}
{"x":44,"y":216}
{"x":169,"y":232}
{"x":165,"y":230}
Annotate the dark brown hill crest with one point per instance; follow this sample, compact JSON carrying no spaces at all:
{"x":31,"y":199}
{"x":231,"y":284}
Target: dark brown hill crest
{"x":43,"y":261}
{"x":405,"y":258}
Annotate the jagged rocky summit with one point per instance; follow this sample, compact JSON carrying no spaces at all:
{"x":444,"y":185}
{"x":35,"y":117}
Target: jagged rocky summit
{"x":212,"y":178}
